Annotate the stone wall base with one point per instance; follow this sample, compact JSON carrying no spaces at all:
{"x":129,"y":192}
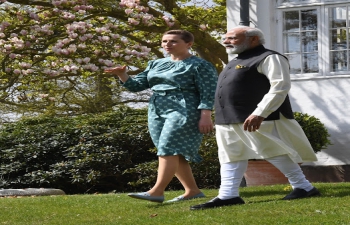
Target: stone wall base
{"x":327,"y":174}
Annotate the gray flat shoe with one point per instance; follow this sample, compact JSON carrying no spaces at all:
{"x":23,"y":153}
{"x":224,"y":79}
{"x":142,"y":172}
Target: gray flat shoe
{"x":146,"y":196}
{"x":182,"y":198}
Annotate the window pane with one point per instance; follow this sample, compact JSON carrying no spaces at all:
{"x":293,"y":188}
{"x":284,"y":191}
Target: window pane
{"x":309,"y":19}
{"x":294,"y":61}
{"x":309,"y":42}
{"x":291,"y":21}
{"x":338,"y":17}
{"x":310,"y":63}
{"x":338,"y":39}
{"x":292,"y":42}
{"x":300,"y":39}
{"x":339,"y":61}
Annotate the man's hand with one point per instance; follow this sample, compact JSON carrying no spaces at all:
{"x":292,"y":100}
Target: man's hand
{"x":252,"y":123}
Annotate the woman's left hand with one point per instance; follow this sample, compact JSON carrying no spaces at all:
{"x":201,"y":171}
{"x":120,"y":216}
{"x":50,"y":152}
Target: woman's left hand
{"x":205,"y":124}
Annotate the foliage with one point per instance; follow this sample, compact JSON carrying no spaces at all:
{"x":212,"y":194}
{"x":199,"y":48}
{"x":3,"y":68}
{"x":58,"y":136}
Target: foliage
{"x":83,"y":154}
{"x":105,"y":152}
{"x":314,"y":130}
{"x":53,"y":53}
{"x":88,"y":153}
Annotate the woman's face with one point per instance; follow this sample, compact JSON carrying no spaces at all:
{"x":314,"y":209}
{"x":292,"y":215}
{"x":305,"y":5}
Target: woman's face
{"x":173,"y":44}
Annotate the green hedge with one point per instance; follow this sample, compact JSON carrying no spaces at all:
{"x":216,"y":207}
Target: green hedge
{"x":79,"y":155}
{"x":101,"y":153}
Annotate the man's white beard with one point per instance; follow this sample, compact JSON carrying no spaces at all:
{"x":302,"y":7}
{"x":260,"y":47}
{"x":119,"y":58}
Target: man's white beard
{"x":237,"y":49}
{"x":231,"y":51}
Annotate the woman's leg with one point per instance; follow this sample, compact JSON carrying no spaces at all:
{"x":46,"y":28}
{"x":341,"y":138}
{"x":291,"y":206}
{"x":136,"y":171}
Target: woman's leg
{"x":185,"y":176}
{"x":167,"y":167}
{"x":178,"y":166}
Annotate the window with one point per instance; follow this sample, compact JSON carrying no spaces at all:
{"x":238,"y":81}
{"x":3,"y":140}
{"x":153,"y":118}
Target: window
{"x":300,"y":40}
{"x":316,"y":36}
{"x":339,"y":41}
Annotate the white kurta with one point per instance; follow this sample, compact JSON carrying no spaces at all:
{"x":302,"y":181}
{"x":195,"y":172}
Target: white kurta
{"x":277,"y":137}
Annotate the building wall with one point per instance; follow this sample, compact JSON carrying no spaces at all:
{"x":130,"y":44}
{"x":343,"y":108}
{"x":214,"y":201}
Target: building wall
{"x":325,"y":98}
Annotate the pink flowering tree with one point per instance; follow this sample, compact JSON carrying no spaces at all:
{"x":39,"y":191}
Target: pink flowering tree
{"x":53,"y":52}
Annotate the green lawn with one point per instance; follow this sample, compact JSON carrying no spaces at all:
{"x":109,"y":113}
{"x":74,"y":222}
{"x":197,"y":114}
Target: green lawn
{"x":263,"y":206}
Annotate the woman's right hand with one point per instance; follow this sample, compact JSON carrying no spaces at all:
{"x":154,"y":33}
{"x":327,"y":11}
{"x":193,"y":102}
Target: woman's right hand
{"x":119,"y":71}
{"x":116,"y":71}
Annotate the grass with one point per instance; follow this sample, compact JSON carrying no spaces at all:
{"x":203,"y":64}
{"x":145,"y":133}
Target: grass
{"x":263,"y":206}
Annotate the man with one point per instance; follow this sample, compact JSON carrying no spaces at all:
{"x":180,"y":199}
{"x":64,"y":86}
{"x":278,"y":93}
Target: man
{"x":254,"y":118}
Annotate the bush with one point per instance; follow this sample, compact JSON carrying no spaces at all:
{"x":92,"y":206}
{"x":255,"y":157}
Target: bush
{"x":79,"y":155}
{"x":314,"y":130}
{"x":102,"y":153}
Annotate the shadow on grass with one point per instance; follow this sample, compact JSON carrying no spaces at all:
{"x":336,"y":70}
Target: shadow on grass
{"x":326,"y":190}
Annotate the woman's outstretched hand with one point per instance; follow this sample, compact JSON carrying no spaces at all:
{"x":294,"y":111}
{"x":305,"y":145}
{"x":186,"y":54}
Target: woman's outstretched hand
{"x":119,"y":71}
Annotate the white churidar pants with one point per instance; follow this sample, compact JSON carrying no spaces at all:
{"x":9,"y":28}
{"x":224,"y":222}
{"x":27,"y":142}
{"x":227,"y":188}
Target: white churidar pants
{"x":233,"y":172}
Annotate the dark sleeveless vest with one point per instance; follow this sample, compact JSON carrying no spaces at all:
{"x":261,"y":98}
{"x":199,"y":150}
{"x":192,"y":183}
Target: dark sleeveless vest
{"x":241,"y":87}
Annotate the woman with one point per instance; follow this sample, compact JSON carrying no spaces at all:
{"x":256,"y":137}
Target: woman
{"x":179,"y":111}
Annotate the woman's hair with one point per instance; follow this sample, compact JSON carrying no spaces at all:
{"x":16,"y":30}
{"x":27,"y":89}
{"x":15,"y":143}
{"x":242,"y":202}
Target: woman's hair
{"x":185,"y":35}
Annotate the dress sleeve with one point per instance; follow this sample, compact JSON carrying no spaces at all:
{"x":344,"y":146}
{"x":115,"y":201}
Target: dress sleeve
{"x":205,"y":81}
{"x":140,"y":81}
{"x":276,"y":68}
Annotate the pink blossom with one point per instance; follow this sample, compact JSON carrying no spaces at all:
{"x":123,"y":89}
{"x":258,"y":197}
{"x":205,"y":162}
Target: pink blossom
{"x":12,"y":55}
{"x":170,"y":24}
{"x":105,"y":38}
{"x":132,"y":21}
{"x":64,"y":52}
{"x":114,"y":54}
{"x":83,"y":38}
{"x":17,"y":71}
{"x":115,"y":36}
{"x":8,"y":47}
{"x":67,"y":68}
{"x":86,"y":60}
{"x":128,"y":11}
{"x":203,"y":26}
{"x":82,"y":46}
{"x":23,"y":32}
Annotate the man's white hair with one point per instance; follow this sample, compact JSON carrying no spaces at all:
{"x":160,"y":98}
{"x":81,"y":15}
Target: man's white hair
{"x":252,"y":31}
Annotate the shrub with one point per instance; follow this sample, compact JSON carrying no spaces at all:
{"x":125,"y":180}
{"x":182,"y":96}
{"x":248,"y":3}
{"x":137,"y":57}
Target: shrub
{"x":101,"y":153}
{"x":314,"y":130}
{"x":83,"y":154}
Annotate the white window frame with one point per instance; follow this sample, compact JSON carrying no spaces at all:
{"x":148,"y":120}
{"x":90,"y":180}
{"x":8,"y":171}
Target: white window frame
{"x":322,"y":8}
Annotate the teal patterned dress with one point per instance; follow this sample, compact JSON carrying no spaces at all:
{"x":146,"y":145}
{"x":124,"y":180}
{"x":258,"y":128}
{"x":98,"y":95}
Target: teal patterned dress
{"x":180,"y":90}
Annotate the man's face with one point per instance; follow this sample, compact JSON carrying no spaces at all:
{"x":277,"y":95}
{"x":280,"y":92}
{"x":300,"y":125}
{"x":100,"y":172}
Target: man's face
{"x":236,"y":42}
